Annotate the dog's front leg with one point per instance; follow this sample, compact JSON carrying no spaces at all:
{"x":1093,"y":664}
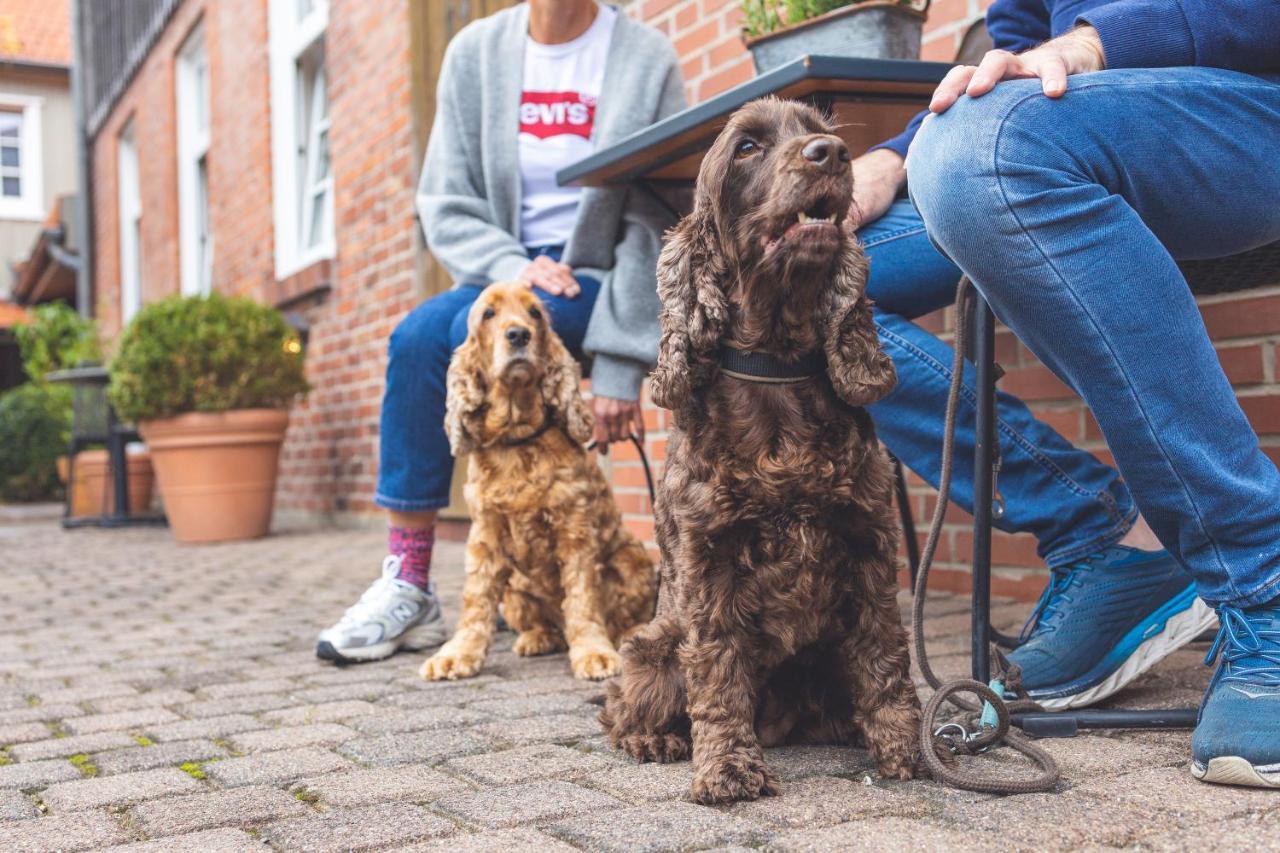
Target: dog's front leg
{"x":487,"y":572}
{"x":591,"y":653}
{"x":723,"y":681}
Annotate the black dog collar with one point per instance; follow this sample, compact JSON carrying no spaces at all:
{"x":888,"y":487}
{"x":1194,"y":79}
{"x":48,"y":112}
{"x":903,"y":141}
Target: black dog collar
{"x":762,"y":367}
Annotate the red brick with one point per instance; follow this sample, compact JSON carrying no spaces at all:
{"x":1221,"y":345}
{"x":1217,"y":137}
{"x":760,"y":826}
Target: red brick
{"x":685,"y":16}
{"x":726,"y":51}
{"x":1243,"y":315}
{"x":939,"y":49}
{"x":740,"y":72}
{"x":697,"y":38}
{"x":1263,"y":412}
{"x":1035,"y":383}
{"x":1243,"y":364}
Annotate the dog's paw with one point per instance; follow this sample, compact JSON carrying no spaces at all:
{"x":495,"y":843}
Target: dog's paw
{"x":533,"y":643}
{"x":596,"y":664}
{"x":663,"y":749}
{"x":450,"y":667}
{"x":732,"y":778}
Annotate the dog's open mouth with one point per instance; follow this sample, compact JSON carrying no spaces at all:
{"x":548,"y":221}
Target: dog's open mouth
{"x":817,"y":223}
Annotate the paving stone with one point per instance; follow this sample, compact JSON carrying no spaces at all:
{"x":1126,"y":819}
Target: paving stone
{"x":657,"y":827}
{"x":33,"y":713}
{"x":366,"y":690}
{"x":15,"y":806}
{"x":1173,"y":792}
{"x":24,"y":732}
{"x":292,"y":737}
{"x":527,"y":763}
{"x":248,"y":688}
{"x":63,"y":746}
{"x":413,"y":747}
{"x":36,"y":774}
{"x":272,"y":767}
{"x":546,"y":684}
{"x":326,"y":712}
{"x":889,"y":833}
{"x":797,"y":762}
{"x":392,"y":720}
{"x":62,"y":833}
{"x":496,"y":841}
{"x":85,"y":693}
{"x":561,"y":728}
{"x":358,"y":829}
{"x":413,"y":782}
{"x":169,"y":754}
{"x":236,"y":705}
{"x":208,"y":841}
{"x":434,"y":694}
{"x":647,"y":781}
{"x":514,"y":805}
{"x":530,"y":706}
{"x":118,"y":790}
{"x":1254,"y":833}
{"x":150,"y":699}
{"x":134,"y":720}
{"x":211,"y":727}
{"x":1055,"y":821}
{"x":246,"y":806}
{"x":824,"y":801}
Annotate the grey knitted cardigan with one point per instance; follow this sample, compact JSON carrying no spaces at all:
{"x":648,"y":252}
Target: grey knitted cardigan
{"x":469,"y":194}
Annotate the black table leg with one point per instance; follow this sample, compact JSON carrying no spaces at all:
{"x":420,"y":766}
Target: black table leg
{"x":983,"y":487}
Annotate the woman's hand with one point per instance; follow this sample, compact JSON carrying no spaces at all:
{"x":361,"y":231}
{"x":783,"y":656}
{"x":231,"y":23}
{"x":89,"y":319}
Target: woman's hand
{"x":1076,"y":52}
{"x":615,"y":420}
{"x":555,"y":278}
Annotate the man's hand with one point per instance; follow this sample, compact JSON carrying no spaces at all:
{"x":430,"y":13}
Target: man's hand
{"x":615,"y":420}
{"x":877,"y":177}
{"x":1076,"y":52}
{"x":556,"y":279}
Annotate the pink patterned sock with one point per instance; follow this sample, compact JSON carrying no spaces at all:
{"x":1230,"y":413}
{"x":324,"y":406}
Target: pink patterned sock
{"x":413,"y":547}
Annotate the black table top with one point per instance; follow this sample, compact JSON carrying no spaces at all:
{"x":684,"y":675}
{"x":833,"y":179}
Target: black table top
{"x":873,"y":99}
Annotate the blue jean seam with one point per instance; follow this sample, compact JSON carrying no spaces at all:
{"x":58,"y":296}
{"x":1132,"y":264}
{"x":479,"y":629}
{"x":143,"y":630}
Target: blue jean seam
{"x":909,"y":231}
{"x":1004,"y":196}
{"x":400,"y":505}
{"x":1015,"y":436}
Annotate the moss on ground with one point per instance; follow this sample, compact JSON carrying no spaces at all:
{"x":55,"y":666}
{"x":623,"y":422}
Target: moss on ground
{"x":194,"y":769}
{"x":84,"y":764}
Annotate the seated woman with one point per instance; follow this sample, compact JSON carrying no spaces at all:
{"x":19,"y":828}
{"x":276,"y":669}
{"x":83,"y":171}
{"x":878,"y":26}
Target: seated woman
{"x":523,"y":94}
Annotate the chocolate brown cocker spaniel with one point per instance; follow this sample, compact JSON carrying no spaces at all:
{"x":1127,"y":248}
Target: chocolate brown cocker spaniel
{"x":777,"y":621}
{"x":546,"y":537}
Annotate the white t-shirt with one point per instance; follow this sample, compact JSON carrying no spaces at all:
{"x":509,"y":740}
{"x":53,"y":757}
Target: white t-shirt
{"x":557,"y":118}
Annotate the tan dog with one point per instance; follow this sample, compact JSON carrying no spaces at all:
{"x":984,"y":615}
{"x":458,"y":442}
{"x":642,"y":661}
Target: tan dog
{"x":546,"y":537}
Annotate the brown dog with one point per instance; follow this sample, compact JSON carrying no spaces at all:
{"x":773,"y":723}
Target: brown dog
{"x":546,"y":538}
{"x":777,"y":622}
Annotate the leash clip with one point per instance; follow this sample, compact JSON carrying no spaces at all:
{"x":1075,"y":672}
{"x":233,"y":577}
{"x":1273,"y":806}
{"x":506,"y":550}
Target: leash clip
{"x":961,"y":736}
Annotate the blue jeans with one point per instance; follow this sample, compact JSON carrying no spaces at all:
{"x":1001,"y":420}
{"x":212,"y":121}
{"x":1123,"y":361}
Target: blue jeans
{"x":1068,"y":215}
{"x":415,"y":465}
{"x":1074,"y":504}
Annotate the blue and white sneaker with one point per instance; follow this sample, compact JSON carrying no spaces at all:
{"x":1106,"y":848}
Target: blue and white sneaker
{"x":1105,"y":620}
{"x":390,"y":614}
{"x":1237,"y":740}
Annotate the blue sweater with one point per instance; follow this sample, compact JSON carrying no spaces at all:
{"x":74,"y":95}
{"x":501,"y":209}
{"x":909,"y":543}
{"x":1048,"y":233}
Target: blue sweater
{"x":1241,"y":35}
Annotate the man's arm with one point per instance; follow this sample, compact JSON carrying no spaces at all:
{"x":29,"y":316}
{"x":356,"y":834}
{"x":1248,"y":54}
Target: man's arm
{"x":1240,"y":35}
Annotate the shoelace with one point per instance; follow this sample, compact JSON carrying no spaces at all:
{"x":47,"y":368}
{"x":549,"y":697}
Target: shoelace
{"x":374,"y":598}
{"x":1239,"y":640}
{"x":1061,"y":579}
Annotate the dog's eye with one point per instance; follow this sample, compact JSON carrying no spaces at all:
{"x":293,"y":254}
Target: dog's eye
{"x":535,"y":313}
{"x":488,"y":314}
{"x":746,"y":148}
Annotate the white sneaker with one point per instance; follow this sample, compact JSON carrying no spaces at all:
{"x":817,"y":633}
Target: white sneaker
{"x":390,"y":614}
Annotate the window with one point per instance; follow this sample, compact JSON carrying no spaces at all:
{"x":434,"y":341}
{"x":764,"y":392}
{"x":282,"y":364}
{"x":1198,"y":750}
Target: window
{"x":130,"y":203}
{"x":21,"y":170}
{"x":192,"y":92}
{"x":300,"y":134}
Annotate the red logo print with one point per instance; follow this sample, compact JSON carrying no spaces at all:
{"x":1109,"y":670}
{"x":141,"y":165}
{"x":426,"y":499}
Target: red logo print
{"x":547,"y":114}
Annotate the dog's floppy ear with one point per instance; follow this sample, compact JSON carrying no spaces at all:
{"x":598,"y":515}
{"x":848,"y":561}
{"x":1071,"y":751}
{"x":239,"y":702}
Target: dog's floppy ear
{"x":561,"y":380}
{"x":467,"y":386}
{"x":860,"y":371}
{"x":691,"y":285}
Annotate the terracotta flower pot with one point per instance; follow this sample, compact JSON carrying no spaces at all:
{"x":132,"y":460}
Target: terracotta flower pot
{"x":217,"y":471}
{"x":92,"y":493}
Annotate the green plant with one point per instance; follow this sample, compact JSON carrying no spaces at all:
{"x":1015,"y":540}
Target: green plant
{"x":35,"y":428}
{"x":57,"y":338}
{"x":205,"y":354}
{"x":761,"y":17}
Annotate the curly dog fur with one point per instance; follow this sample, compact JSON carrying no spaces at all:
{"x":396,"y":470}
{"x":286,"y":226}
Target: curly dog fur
{"x":777,"y":621}
{"x":546,"y":537}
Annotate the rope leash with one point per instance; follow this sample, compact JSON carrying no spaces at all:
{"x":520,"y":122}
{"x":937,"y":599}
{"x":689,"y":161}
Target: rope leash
{"x":979,"y":732}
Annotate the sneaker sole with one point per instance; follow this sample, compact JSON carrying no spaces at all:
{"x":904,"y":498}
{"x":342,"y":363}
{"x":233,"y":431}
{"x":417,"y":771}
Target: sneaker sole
{"x":1179,"y":629}
{"x":1234,"y":770}
{"x":417,"y":638}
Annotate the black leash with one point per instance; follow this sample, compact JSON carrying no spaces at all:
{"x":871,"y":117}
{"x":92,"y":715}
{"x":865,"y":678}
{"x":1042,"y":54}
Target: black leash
{"x":644,"y":461}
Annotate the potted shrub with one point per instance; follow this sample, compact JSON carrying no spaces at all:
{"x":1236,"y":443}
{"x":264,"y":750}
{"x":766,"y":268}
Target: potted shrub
{"x":208,"y":380}
{"x":779,"y":31}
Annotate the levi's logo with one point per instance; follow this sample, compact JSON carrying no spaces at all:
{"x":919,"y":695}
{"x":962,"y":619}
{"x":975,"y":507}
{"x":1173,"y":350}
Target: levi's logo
{"x":547,"y":114}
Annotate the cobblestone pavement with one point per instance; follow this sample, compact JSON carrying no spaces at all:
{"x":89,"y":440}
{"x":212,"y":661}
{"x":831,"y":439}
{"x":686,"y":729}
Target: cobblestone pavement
{"x":163,"y":697}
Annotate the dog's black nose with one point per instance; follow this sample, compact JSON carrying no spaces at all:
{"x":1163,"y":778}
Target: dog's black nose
{"x":517,"y":336}
{"x":828,"y":152}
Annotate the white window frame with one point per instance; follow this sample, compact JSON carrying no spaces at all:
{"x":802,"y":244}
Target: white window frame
{"x":30,"y":205}
{"x":195,"y":237}
{"x":129,"y":213}
{"x":290,"y":40}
